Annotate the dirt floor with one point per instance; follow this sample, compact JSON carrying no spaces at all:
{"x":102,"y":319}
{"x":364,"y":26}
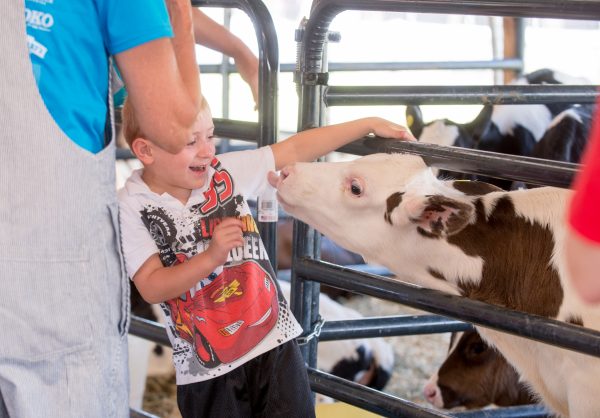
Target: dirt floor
{"x":416,"y":358}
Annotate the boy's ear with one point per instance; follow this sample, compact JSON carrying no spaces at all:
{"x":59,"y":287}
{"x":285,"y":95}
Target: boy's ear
{"x":142,"y":150}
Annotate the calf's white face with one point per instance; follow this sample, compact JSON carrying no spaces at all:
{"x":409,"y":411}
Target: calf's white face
{"x":362,"y":204}
{"x":345,"y":201}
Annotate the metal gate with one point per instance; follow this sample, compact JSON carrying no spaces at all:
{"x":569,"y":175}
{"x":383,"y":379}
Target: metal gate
{"x":308,"y":272}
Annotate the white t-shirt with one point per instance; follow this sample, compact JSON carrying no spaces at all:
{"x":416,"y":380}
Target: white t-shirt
{"x":238,"y":311}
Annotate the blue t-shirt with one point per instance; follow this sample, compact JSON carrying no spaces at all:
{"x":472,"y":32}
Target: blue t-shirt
{"x":69,"y":45}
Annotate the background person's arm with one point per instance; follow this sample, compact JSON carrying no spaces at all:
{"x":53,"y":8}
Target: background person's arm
{"x":215,"y":36}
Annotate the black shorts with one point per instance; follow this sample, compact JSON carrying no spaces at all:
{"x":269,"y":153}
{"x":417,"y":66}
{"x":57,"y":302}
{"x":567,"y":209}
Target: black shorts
{"x":272,"y":385}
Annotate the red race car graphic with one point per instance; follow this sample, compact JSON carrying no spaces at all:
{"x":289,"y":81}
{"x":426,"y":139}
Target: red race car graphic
{"x":227,"y":318}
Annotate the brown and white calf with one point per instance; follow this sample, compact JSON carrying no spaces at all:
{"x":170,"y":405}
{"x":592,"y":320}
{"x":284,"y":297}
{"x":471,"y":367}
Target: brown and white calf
{"x":475,"y":375}
{"x":465,"y":238}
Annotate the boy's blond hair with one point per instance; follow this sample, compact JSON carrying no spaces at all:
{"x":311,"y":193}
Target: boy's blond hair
{"x":129,"y":123}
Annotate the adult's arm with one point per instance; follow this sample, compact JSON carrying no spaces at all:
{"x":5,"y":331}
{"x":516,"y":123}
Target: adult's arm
{"x":163,"y":81}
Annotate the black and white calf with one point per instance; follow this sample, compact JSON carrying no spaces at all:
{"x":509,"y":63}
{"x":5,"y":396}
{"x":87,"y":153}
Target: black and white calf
{"x":507,"y":129}
{"x":566,"y":137}
{"x":465,"y":238}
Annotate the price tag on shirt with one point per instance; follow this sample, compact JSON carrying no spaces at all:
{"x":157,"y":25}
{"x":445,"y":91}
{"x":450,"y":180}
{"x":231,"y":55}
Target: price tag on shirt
{"x":268,"y":207}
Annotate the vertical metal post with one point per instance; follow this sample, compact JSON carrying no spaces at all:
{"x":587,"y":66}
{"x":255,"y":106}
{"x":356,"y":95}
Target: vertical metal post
{"x":225,"y":73}
{"x":520,"y":42}
{"x":305,"y":294}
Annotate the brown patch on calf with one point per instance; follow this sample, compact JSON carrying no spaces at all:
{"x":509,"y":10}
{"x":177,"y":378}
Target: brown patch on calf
{"x":517,"y":271}
{"x":392,"y":202}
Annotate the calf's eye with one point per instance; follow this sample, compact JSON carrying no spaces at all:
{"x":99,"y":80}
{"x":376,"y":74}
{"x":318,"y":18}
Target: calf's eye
{"x":355,"y":188}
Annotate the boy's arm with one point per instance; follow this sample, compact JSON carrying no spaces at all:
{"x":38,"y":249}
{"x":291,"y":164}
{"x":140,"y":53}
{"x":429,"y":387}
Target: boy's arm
{"x":157,"y":283}
{"x":215,"y":36}
{"x":163,"y":81}
{"x":314,"y":143}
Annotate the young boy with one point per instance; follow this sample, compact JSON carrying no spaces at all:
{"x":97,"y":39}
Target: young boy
{"x":191,"y":244}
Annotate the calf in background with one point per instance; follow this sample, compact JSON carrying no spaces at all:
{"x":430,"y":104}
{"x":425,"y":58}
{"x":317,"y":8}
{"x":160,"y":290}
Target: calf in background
{"x":507,"y":129}
{"x":461,"y":237}
{"x":475,"y":375}
{"x":565,"y":139}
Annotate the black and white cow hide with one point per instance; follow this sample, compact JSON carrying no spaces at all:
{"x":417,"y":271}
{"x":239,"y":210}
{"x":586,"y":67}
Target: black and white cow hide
{"x":507,"y":129}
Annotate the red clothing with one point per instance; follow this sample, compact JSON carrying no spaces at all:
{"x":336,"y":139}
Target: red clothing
{"x":585,"y":207}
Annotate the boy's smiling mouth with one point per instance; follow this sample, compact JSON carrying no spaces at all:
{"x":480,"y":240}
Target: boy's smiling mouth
{"x":198,"y":168}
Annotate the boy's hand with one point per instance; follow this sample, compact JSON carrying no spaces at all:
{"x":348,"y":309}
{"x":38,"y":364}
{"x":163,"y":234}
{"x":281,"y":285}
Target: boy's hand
{"x":386,"y":129}
{"x":226,"y":236}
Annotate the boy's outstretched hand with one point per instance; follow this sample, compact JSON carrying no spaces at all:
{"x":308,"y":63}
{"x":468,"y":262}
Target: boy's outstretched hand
{"x":226,"y":236}
{"x":386,"y":129}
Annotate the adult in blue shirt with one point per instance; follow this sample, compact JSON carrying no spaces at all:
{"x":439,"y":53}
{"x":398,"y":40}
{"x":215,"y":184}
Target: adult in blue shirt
{"x":63,"y":294}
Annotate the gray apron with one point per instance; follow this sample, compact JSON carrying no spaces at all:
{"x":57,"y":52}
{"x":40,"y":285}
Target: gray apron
{"x":63,"y":292}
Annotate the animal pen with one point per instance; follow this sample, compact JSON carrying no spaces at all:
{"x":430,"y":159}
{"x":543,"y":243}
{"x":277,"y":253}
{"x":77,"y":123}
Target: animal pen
{"x":448,"y":313}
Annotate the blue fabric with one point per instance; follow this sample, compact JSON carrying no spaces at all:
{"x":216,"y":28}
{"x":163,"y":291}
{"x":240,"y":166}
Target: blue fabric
{"x":69,"y":44}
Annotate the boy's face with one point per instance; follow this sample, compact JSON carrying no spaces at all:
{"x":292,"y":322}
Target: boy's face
{"x":178,"y":174}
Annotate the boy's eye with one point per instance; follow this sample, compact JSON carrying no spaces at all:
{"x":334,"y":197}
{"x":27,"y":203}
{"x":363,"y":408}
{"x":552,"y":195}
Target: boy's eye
{"x":191,"y":143}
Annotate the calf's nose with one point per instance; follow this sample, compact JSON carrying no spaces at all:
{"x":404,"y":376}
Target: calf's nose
{"x":430,"y":392}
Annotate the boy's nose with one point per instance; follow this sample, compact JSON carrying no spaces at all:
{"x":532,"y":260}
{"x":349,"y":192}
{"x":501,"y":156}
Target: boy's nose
{"x":206,"y":149}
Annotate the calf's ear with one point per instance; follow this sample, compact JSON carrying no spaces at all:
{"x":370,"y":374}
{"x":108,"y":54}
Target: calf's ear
{"x":442,"y":216}
{"x":479,"y":127}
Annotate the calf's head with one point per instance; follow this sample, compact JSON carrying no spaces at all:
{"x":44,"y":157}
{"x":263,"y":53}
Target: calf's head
{"x":363,"y":205}
{"x":475,"y":375}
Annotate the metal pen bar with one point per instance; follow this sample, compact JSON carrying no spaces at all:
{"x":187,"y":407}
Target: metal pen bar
{"x":502,"y":64}
{"x":464,"y":160}
{"x":506,"y":64}
{"x":137,"y":413}
{"x":445,"y":95}
{"x":529,"y":411}
{"x":366,"y":398}
{"x":390,"y":326}
{"x":387,"y":405}
{"x":149,"y":330}
{"x":235,"y":129}
{"x":323,"y":12}
{"x":534,"y":327}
